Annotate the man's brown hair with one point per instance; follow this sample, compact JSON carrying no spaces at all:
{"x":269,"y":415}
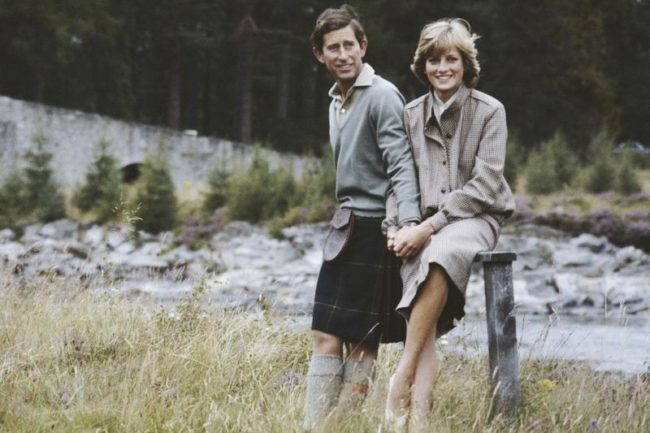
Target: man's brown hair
{"x":335,"y":19}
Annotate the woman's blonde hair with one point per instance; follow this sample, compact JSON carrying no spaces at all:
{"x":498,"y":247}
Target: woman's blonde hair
{"x":441,"y":36}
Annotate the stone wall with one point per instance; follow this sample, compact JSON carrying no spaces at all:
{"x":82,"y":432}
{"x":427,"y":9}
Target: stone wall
{"x":72,"y":138}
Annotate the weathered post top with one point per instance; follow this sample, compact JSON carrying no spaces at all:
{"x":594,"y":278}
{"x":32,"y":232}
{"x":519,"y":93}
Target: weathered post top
{"x":496,"y":256}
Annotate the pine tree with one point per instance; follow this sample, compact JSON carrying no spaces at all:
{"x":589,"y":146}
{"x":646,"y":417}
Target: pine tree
{"x":155,"y":196}
{"x":216,"y":195}
{"x":248,"y":191}
{"x":12,"y":197}
{"x":600,"y":175}
{"x":42,"y":196}
{"x":101,"y":191}
{"x":539,"y":174}
{"x":627,"y":181}
{"x":551,"y":167}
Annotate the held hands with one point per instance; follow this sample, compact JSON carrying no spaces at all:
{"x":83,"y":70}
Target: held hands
{"x":390,"y":237}
{"x":409,"y":240}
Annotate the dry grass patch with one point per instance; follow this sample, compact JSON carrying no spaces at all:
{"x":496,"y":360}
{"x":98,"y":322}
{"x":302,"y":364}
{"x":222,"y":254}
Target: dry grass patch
{"x":74,"y":360}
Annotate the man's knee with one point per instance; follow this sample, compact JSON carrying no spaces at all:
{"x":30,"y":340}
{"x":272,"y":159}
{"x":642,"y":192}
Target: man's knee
{"x":327,"y":344}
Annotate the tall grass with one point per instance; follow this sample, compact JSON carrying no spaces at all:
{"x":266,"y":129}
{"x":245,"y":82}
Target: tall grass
{"x":78,"y":360}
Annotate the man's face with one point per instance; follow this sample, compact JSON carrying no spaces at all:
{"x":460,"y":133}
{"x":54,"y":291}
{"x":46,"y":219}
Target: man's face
{"x":342,"y":55}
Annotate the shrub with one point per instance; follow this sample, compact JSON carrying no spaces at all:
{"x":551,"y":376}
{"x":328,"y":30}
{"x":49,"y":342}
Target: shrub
{"x":599,"y":176}
{"x":551,"y":167}
{"x":320,"y":182}
{"x":101,"y":191}
{"x":514,"y":162}
{"x":257,"y":193}
{"x":564,"y":160}
{"x":155,"y":196}
{"x":217,"y":190}
{"x":13,"y":199}
{"x":316,"y":195}
{"x":43,"y":200}
{"x":626,"y":181}
{"x":539,"y":174}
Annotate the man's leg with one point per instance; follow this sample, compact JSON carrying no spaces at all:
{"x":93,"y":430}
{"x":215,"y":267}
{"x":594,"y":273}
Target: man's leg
{"x":324,"y":378}
{"x":358,"y":373}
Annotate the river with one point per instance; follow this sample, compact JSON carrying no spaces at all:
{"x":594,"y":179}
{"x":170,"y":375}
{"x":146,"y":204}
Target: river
{"x":607,"y":343}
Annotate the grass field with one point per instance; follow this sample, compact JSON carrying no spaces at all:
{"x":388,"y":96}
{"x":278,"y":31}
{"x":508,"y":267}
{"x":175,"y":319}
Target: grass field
{"x":74,"y":360}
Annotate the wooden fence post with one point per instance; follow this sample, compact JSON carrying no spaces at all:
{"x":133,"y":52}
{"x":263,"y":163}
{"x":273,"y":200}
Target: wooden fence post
{"x":502,"y":331}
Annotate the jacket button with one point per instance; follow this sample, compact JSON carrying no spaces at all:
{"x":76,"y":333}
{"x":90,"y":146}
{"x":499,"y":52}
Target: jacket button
{"x":448,"y":135}
{"x":444,"y":162}
{"x":443,"y":190}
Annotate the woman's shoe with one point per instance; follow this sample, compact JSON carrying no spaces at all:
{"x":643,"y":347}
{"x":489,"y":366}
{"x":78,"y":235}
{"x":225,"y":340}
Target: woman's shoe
{"x":393,"y":422}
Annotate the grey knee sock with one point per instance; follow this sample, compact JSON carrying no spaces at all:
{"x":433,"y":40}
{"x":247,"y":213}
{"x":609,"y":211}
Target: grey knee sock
{"x":324,"y":380}
{"x":358,"y":375}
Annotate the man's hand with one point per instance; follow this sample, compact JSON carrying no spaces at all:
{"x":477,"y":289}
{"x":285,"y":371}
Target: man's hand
{"x":409,"y":240}
{"x":390,"y":239}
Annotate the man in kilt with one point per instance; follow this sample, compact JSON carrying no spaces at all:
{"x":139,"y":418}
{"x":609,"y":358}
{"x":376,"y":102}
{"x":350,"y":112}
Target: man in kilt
{"x":358,"y":290}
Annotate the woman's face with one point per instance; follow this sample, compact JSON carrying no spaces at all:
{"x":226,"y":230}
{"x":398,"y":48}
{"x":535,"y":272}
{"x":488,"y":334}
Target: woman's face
{"x":445,"y":73}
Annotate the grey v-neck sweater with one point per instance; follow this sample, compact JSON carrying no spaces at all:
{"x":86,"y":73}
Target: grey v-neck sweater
{"x":371,"y":150}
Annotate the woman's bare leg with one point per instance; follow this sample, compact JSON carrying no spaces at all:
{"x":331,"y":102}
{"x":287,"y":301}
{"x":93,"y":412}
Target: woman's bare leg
{"x":425,"y":378}
{"x":420,"y":334}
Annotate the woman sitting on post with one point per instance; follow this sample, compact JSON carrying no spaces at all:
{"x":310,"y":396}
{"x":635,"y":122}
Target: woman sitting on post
{"x":458,"y":137}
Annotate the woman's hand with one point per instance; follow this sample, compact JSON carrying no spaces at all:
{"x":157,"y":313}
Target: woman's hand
{"x":409,"y":240}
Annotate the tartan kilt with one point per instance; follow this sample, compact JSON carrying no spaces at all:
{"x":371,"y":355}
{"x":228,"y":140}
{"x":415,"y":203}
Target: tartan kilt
{"x":357,"y":293}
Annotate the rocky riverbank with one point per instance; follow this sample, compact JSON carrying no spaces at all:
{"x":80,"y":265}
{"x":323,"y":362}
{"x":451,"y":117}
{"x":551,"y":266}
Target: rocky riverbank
{"x":243,"y":266}
{"x":631,"y":227}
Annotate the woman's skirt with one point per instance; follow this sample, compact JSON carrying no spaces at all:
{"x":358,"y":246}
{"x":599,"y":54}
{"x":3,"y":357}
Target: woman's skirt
{"x":357,"y":293}
{"x":453,"y":248}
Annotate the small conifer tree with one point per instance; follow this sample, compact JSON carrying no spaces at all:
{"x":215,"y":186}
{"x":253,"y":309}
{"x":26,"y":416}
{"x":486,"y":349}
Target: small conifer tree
{"x":248,"y":191}
{"x":626,"y":181}
{"x":42,"y":196}
{"x":600,"y":175}
{"x":564,"y":160}
{"x":539,"y":173}
{"x":258,"y":193}
{"x":551,"y":167}
{"x":216,"y":195}
{"x":13,"y":202}
{"x":282,"y":194}
{"x":101,"y":191}
{"x":155,"y":196}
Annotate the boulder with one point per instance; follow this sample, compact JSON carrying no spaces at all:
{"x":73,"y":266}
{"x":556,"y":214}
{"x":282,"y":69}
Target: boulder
{"x":94,"y":236}
{"x":592,"y":243}
{"x":7,"y":235}
{"x":630,"y":256}
{"x":12,"y":251}
{"x":60,"y":229}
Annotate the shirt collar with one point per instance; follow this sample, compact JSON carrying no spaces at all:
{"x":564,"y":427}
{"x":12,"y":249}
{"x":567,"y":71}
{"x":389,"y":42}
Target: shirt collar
{"x":364,"y":79}
{"x":457,"y":101}
{"x":444,"y":104}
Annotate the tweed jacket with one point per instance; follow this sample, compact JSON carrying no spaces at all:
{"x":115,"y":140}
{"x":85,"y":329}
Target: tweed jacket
{"x":460,"y":160}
